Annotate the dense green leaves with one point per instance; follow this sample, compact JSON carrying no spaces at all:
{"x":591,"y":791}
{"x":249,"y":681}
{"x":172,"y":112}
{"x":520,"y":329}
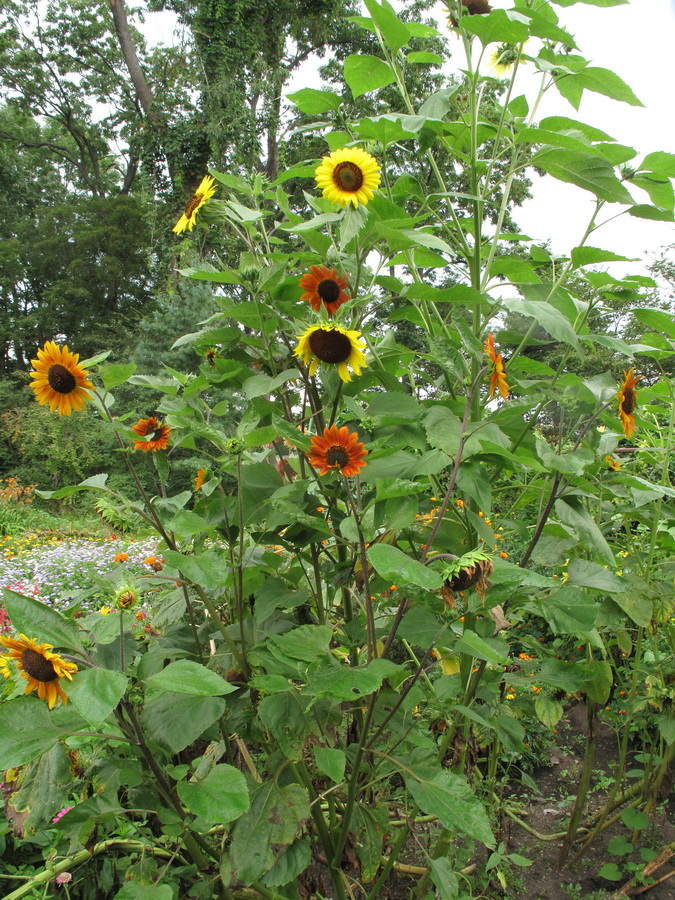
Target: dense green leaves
{"x":220,"y":797}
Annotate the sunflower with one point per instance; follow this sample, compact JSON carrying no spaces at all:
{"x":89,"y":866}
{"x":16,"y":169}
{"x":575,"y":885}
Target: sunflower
{"x":156,"y":431}
{"x":324,"y":286}
{"x":58,"y":379}
{"x":627,"y":397}
{"x":498,"y":377}
{"x":211,"y":356}
{"x":199,"y":478}
{"x":349,"y":175}
{"x":204,"y":192}
{"x":613,"y":463}
{"x":504,"y":58}
{"x":337,"y":449}
{"x":331,"y":344}
{"x":41,"y":668}
{"x":473,"y":8}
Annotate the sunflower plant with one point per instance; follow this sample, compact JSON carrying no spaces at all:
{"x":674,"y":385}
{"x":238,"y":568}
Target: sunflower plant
{"x":350,"y":577}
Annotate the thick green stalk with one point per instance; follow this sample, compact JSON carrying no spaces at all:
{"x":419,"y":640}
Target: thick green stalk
{"x":584,"y":783}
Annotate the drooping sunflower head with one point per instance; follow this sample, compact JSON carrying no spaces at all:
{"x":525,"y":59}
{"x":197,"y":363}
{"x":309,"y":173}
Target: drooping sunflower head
{"x":348,"y":175}
{"x":498,"y":377}
{"x":155,"y":435}
{"x":337,"y":449}
{"x":627,"y":397}
{"x":473,"y":8}
{"x":204,"y":192}
{"x":324,"y":287}
{"x":333,"y":345}
{"x":200,"y":477}
{"x":126,"y":597}
{"x":41,"y":668}
{"x":59,"y":380}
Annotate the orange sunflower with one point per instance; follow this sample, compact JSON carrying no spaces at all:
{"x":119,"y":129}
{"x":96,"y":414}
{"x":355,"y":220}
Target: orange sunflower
{"x":337,"y":449}
{"x":200,"y":477}
{"x":627,"y":397}
{"x":58,"y":379}
{"x":324,"y":286}
{"x":498,"y":378}
{"x":41,"y":668}
{"x":156,"y":434}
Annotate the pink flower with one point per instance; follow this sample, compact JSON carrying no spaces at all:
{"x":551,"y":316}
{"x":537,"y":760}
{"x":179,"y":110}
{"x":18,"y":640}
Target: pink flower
{"x":60,"y":814}
{"x":64,"y":877}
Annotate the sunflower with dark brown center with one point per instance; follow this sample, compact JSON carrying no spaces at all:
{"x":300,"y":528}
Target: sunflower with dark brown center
{"x":627,"y":397}
{"x":473,"y":8}
{"x":334,"y":345}
{"x":41,"y":668}
{"x":154,"y":432}
{"x":348,"y":175}
{"x":59,"y":380}
{"x":324,"y":287}
{"x":337,"y":449}
{"x":204,"y":192}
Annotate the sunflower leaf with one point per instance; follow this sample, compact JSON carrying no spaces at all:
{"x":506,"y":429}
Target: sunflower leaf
{"x":365,"y":73}
{"x":39,"y":621}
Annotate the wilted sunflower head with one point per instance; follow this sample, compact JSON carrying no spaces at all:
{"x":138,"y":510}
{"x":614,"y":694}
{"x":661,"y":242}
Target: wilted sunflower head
{"x":471,"y":570}
{"x":59,"y":380}
{"x":333,"y":345}
{"x":41,"y":668}
{"x":126,"y":597}
{"x":348,"y":175}
{"x":204,"y":192}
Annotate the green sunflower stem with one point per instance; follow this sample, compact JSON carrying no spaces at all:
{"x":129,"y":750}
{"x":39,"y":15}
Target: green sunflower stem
{"x":368,"y":603}
{"x":122,"y":639}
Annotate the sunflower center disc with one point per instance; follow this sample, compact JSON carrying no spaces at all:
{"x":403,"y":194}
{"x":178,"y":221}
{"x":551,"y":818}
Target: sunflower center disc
{"x":337,"y":457}
{"x":37,"y":666}
{"x":157,"y":434}
{"x":628,"y":404}
{"x":330,"y":346}
{"x":348,"y":177}
{"x":328,"y":290}
{"x":60,"y":379}
{"x":192,"y":204}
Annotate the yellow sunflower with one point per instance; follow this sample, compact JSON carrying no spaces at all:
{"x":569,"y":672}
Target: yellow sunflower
{"x":156,"y":432}
{"x":349,"y":175}
{"x":204,"y":192}
{"x":337,"y":449}
{"x":498,"y":378}
{"x":613,"y":463}
{"x":58,"y":379}
{"x":41,"y":668}
{"x":334,"y":345}
{"x":627,"y":397}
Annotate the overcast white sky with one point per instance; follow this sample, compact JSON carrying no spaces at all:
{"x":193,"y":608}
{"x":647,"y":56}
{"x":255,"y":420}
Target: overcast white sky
{"x":635,"y":40}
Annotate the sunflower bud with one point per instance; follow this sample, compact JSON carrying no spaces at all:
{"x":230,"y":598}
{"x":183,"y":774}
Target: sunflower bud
{"x":126,"y":598}
{"x":233,"y":447}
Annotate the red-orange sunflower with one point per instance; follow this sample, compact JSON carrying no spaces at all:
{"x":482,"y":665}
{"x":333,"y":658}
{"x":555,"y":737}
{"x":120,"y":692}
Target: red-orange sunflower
{"x":156,"y":434}
{"x":627,"y":397}
{"x":324,"y":286}
{"x":40,"y":667}
{"x":337,"y":449}
{"x":498,"y":378}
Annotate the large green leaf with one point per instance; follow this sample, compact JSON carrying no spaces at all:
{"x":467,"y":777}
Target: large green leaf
{"x":187,"y":677}
{"x":44,"y":789}
{"x":112,"y":376}
{"x":365,"y":73}
{"x":331,"y":762}
{"x":135,"y":891}
{"x":28,"y":729}
{"x":40,"y":622}
{"x":314,"y":102}
{"x":551,"y":319}
{"x":586,"y":171}
{"x":588,"y":574}
{"x":272,"y":822}
{"x":328,"y":676}
{"x":446,"y":795}
{"x":497,"y":26}
{"x":598,"y":80}
{"x":572,"y":512}
{"x":394,"y":32}
{"x":393,"y":565}
{"x":221,"y":797}
{"x":284,"y":715}
{"x":96,"y":692}
{"x":175,"y":720}
{"x":569,"y":611}
{"x":548,"y":711}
